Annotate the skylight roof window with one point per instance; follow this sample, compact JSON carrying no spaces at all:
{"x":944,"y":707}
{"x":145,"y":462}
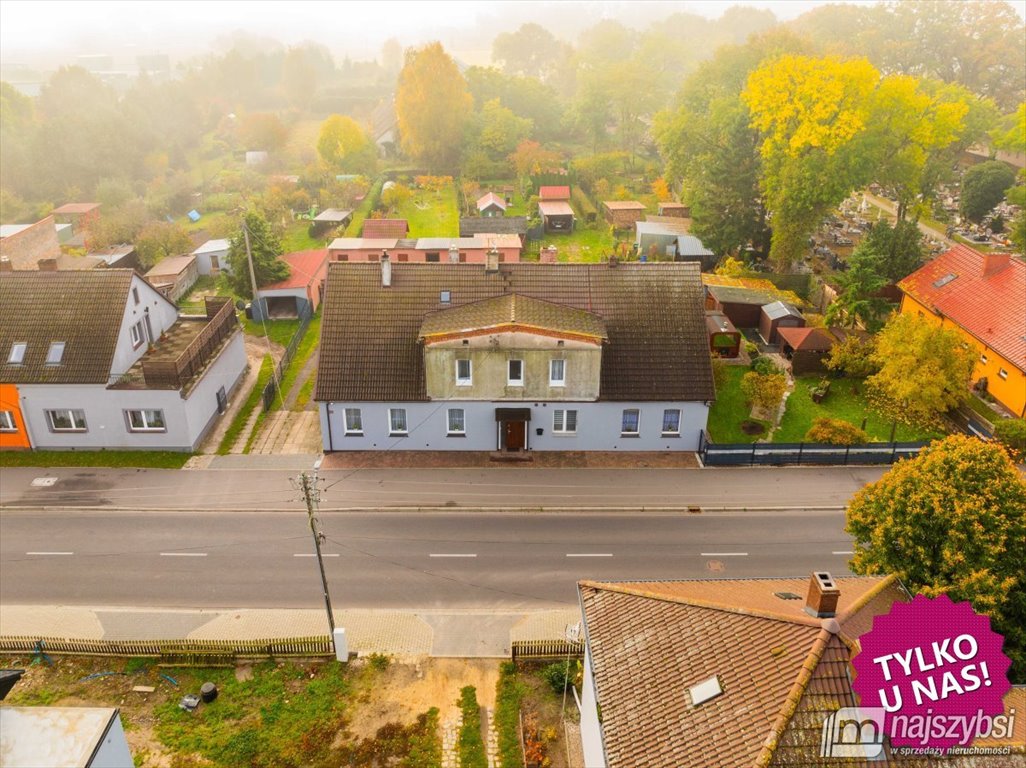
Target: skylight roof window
{"x":944,"y":280}
{"x":56,"y":353}
{"x":17,"y":354}
{"x":707,"y":690}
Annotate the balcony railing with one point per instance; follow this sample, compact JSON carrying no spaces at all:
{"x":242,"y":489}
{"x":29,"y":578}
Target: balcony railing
{"x":175,"y":374}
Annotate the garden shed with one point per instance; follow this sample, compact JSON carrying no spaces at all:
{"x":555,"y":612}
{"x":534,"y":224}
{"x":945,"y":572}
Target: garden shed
{"x":775,"y":316}
{"x":623,"y":214}
{"x":724,"y":338}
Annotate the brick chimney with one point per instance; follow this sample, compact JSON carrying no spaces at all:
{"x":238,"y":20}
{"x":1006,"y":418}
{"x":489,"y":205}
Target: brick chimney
{"x":454,"y":254}
{"x":6,"y":265}
{"x":995,"y":262}
{"x":492,"y":260}
{"x":823,"y":595}
{"x":386,"y":270}
{"x":48,"y":265}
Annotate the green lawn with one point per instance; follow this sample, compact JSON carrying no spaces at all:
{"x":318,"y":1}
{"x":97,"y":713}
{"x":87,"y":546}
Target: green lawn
{"x":430,"y":214}
{"x":303,"y":351}
{"x":729,"y":409}
{"x":847,"y":402}
{"x":278,"y":331}
{"x":582,"y":244}
{"x":146,"y":459}
{"x":243,"y":414}
{"x":297,"y":238}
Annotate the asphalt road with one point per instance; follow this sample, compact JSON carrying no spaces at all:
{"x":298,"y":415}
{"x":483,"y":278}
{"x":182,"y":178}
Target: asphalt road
{"x":505,"y":487}
{"x":465,"y":559}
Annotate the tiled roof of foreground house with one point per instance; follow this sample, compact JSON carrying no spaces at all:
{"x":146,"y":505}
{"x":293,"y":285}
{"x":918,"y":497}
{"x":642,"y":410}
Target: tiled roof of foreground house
{"x":782,"y":671}
{"x":83,"y":309}
{"x":985,"y":294}
{"x":657,"y":347}
{"x":513,"y":312}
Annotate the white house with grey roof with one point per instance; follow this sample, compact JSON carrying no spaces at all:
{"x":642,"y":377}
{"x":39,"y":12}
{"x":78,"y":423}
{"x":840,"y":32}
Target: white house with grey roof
{"x":99,"y":359}
{"x":513,"y":357}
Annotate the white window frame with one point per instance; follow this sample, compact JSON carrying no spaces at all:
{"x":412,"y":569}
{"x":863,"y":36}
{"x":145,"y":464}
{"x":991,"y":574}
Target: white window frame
{"x":135,"y":294}
{"x":1002,"y":374}
{"x":7,"y":423}
{"x":449,"y":430}
{"x":79,"y":423}
{"x":560,"y":421}
{"x":138,"y":335}
{"x":145,"y":418}
{"x":553,"y":381}
{"x":348,"y":428}
{"x":406,"y":424}
{"x":636,"y":432}
{"x":17,"y":354}
{"x":55,"y":354}
{"x":671,"y":433}
{"x":509,"y":373}
{"x":468,"y":380}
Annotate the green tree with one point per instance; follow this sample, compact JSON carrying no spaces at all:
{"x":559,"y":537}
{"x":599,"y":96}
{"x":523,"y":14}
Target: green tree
{"x":951,"y":521}
{"x":527,"y":97}
{"x":501,"y":130}
{"x":853,"y":356}
{"x":1011,"y":433}
{"x":159,"y":240}
{"x":395,"y":196}
{"x":532,"y":51}
{"x":262,"y":131}
{"x":532,"y":158}
{"x":763,"y":390}
{"x":266,"y":249}
{"x":344,"y":145}
{"x":432,"y":106}
{"x":900,"y":248}
{"x":857,"y":301}
{"x":923,"y":372}
{"x":983,"y":187}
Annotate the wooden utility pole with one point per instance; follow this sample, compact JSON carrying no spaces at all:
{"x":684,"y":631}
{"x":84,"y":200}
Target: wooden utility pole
{"x":311,"y":495}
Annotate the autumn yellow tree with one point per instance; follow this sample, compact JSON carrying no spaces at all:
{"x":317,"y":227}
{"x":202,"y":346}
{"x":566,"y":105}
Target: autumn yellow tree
{"x":343,"y":144}
{"x":809,"y":112}
{"x":951,"y":521}
{"x":923,"y":371}
{"x":432,"y":105}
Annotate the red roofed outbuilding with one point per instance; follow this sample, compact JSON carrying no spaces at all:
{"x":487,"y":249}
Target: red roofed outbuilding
{"x":554,"y":193}
{"x":983,"y":297}
{"x":299,"y":294}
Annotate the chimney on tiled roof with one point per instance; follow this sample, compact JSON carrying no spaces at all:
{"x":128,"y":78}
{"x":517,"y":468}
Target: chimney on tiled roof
{"x":386,"y":270}
{"x":823,"y":595}
{"x":995,"y":262}
{"x":454,"y":254}
{"x":492,"y":260}
{"x":48,"y":265}
{"x":6,"y":265}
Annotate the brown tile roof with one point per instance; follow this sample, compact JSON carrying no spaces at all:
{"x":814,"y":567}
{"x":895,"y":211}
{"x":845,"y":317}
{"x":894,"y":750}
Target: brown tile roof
{"x":510,"y":310}
{"x":623,"y":205}
{"x":657,"y":348}
{"x":651,"y":641}
{"x":808,"y":339}
{"x":380,"y":229}
{"x":77,"y":208}
{"x":81,"y":308}
{"x":493,"y":225}
{"x":554,"y":193}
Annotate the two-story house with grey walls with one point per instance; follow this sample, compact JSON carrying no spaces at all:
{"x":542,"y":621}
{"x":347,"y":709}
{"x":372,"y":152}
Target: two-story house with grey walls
{"x":99,"y":359}
{"x":513,"y":357}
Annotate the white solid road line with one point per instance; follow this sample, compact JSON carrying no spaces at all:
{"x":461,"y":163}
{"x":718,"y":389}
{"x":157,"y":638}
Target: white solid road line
{"x":183,"y":554}
{"x":724,"y":554}
{"x":311,"y":554}
{"x":592,"y":554}
{"x":843,"y":552}
{"x":49,"y":553}
{"x":453,"y":555}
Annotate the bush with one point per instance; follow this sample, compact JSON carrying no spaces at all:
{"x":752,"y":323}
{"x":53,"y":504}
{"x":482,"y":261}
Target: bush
{"x":763,"y":390}
{"x":1011,"y":433}
{"x":379,"y":661}
{"x":854,"y":357}
{"x":509,"y":692}
{"x":835,"y":432}
{"x":752,"y":349}
{"x":586,"y":208}
{"x":470,"y":744}
{"x":765,"y":366}
{"x":559,"y":676}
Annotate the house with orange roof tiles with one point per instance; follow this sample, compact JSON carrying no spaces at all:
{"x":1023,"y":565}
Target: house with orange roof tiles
{"x":983,"y":297}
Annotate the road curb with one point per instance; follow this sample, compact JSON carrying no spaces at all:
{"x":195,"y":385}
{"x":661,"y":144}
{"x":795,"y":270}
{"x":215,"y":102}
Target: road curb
{"x":685,"y":510}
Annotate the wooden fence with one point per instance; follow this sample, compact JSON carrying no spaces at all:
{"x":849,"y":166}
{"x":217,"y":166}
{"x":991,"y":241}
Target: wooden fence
{"x":173,"y":651}
{"x":545,"y":649}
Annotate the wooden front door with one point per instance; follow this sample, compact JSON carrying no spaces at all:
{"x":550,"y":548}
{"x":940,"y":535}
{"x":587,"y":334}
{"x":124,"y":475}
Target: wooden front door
{"x":515,"y":432}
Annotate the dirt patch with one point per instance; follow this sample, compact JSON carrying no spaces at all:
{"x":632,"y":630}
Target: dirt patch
{"x":750,"y":427}
{"x":258,"y":346}
{"x":407,"y":688}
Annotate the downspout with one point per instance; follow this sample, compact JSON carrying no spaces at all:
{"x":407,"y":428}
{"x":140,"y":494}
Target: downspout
{"x":327,"y":417}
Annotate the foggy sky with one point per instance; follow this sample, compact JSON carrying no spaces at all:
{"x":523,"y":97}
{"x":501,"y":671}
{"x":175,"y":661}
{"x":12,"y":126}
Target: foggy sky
{"x":34,"y":31}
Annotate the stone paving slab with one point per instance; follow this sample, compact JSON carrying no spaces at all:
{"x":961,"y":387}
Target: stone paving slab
{"x":544,"y":459}
{"x":149,"y":625}
{"x":466,"y":635}
{"x":545,"y":625}
{"x":295,"y":462}
{"x":50,"y":621}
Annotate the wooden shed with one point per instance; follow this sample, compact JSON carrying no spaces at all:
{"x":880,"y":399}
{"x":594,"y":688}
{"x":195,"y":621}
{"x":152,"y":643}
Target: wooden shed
{"x":778,"y":315}
{"x":623,"y":214}
{"x":724,"y":338}
{"x":675,"y":210}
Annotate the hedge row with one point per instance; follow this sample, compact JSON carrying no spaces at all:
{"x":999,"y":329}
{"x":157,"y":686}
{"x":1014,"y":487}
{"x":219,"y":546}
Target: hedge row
{"x":508,"y":693}
{"x":584,"y":205}
{"x":470,"y":744}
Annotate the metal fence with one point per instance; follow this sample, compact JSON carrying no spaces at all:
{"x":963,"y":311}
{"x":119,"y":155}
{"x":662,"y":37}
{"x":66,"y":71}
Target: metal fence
{"x":271,"y":388}
{"x":759,"y":454}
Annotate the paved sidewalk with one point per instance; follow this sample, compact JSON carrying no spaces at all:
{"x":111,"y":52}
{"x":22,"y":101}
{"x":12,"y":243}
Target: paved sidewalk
{"x":466,"y":634}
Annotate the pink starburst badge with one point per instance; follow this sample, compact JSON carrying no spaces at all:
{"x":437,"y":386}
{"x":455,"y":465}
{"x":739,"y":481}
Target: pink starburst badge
{"x":938,"y":671}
